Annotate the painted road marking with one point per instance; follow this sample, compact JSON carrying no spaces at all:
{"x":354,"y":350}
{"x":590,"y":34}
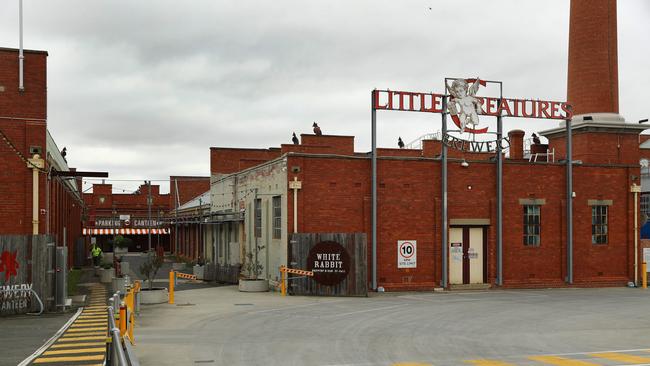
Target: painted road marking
{"x":70,"y":358}
{"x":76,"y":330}
{"x":78,"y":350}
{"x":411,"y":364}
{"x":98,"y":320}
{"x":80,"y":344}
{"x":87,"y":325}
{"x":621,"y":357}
{"x":560,"y":361}
{"x":74,"y":339}
{"x":488,"y":363}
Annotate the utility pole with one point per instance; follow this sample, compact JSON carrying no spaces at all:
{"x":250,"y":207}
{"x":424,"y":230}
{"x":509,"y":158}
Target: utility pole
{"x":149,"y":212}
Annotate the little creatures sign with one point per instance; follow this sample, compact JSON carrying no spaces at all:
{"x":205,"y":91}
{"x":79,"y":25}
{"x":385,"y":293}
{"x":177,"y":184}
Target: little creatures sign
{"x":465,"y":107}
{"x":330,"y":263}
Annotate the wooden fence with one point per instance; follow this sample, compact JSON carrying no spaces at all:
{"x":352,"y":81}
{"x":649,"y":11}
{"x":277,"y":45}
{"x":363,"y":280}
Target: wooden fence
{"x":344,"y":253}
{"x":26,"y":262}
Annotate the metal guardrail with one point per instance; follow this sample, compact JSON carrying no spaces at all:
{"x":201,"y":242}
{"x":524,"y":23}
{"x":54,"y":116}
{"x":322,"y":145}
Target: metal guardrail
{"x":116,"y":350}
{"x":120,"y":350}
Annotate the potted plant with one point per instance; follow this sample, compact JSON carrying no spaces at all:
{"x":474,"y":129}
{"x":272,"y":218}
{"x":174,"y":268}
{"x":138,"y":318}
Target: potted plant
{"x":107,"y":273}
{"x":121,"y":245}
{"x":148,"y":270}
{"x":253,"y":268}
{"x":179,"y":262}
{"x":199,"y":269}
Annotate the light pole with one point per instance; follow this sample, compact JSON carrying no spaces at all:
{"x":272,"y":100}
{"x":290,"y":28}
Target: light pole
{"x":149,"y":212}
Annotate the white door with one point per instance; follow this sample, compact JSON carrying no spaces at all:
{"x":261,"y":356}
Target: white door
{"x":456,"y":255}
{"x":475,"y":255}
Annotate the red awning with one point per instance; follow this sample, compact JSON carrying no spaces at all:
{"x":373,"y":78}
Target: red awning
{"x":129,"y":231}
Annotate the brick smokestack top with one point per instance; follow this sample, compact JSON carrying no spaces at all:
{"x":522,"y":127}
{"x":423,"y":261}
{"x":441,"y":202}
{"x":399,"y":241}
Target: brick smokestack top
{"x":516,"y":144}
{"x":593,"y":63}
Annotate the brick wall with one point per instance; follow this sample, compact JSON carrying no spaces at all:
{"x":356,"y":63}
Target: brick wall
{"x":598,"y":147}
{"x":188,"y":188}
{"x":225,"y":160}
{"x":335,"y":197}
{"x":22,"y":120}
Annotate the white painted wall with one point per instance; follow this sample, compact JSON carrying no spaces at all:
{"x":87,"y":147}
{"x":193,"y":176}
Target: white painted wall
{"x":230,"y":192}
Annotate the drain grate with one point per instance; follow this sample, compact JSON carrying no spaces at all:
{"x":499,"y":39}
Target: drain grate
{"x":204,"y":361}
{"x":188,"y":304}
{"x":243,"y":304}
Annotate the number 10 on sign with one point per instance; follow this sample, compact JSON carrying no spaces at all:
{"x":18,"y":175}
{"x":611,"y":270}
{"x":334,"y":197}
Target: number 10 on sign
{"x":406,"y":254}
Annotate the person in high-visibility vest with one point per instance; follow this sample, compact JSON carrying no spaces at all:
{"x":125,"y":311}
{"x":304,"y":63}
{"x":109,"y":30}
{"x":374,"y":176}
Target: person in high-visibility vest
{"x":96,"y":253}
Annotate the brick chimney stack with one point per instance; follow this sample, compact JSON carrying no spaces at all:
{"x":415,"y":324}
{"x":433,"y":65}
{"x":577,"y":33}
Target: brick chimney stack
{"x":516,"y":138}
{"x":593,"y":63}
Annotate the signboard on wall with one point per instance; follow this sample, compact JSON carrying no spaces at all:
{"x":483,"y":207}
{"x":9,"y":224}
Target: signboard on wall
{"x":407,"y":254}
{"x":330,"y":263}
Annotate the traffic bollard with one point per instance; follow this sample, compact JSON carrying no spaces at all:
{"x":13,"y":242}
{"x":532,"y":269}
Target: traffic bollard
{"x":644,"y":274}
{"x":122,"y":319}
{"x":283,"y":285}
{"x":171,"y":286}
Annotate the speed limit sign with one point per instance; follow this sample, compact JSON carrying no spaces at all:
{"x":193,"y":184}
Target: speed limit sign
{"x":406,"y":254}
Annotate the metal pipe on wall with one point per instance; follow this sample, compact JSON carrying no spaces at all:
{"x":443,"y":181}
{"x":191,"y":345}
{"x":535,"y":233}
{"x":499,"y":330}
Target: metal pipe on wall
{"x":374,"y":190}
{"x":443,"y":223}
{"x":21,"y":56}
{"x":569,"y":204}
{"x":499,"y":201}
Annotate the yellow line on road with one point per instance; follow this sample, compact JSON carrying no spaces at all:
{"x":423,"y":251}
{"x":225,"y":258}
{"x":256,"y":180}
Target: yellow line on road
{"x":84,"y":338}
{"x":76,"y":330}
{"x":80,"y":344}
{"x":560,"y":361}
{"x":86,"y":325}
{"x":99,"y":321}
{"x":411,"y":364}
{"x":621,"y":357}
{"x":73,"y":351}
{"x":69,"y":359}
{"x":488,"y":363}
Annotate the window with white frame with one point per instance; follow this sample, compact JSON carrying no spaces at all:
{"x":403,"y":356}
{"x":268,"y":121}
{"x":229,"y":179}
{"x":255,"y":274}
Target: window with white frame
{"x":277,"y":217}
{"x":258,"y":218}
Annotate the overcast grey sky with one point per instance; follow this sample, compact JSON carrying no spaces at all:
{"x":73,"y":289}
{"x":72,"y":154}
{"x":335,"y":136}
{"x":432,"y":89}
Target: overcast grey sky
{"x":142,"y":89}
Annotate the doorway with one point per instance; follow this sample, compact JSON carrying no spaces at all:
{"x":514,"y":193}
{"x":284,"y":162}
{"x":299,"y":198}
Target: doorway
{"x":467,"y":259}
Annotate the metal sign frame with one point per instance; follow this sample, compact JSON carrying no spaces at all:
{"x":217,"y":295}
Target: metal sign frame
{"x":374,"y":103}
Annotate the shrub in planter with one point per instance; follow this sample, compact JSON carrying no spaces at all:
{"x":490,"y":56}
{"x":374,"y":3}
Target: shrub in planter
{"x":253,"y":268}
{"x":150,"y":267}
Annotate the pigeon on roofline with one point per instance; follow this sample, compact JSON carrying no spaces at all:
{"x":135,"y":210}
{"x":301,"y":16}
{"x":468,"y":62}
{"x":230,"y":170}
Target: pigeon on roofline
{"x":295,"y":139}
{"x":400,"y":143}
{"x":536,"y":140}
{"x":317,"y":130}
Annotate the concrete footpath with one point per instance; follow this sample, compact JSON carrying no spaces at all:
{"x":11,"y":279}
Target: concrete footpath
{"x":221,"y":326}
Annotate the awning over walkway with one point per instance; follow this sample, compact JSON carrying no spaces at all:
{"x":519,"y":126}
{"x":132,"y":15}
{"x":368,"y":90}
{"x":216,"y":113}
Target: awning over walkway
{"x":93,"y":231}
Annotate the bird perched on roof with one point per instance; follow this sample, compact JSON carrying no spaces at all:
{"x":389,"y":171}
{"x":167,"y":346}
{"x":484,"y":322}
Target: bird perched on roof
{"x":536,"y":140}
{"x":64,"y":152}
{"x":317,"y":130}
{"x":400,"y":143}
{"x":295,"y":139}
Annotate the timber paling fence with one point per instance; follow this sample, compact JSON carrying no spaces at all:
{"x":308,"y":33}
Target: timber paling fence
{"x":355,"y":283}
{"x":27,"y":263}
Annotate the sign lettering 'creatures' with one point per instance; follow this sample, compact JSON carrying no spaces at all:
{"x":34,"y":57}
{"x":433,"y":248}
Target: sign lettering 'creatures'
{"x":8,"y":264}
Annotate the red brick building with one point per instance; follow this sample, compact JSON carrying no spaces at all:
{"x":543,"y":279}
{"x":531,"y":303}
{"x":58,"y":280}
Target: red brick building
{"x":334,"y":194}
{"x":58,"y":209}
{"x":129,"y":215}
{"x":187,"y":206}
